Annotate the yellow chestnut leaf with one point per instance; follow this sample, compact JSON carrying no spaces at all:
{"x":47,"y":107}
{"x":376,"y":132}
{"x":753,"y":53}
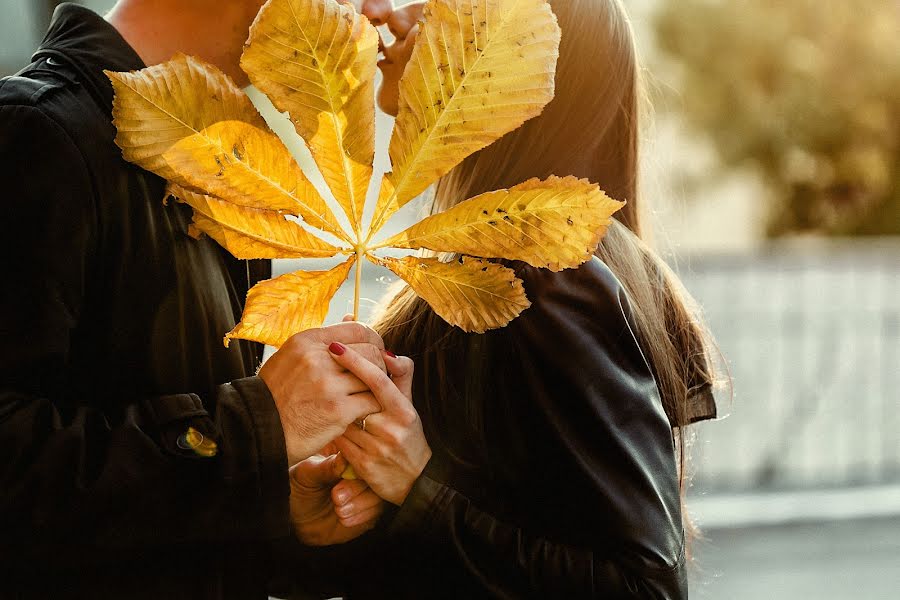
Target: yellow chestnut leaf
{"x":473,"y":294}
{"x":158,"y":106}
{"x":315,"y":60}
{"x":278,"y":308}
{"x":250,"y":233}
{"x":479,"y":69}
{"x":257,"y":172}
{"x":555,"y":223}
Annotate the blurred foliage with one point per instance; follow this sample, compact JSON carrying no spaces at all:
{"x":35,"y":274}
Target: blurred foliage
{"x":808,"y":92}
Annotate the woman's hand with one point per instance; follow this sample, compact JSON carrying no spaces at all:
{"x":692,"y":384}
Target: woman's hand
{"x":390,"y":452}
{"x":327,"y":510}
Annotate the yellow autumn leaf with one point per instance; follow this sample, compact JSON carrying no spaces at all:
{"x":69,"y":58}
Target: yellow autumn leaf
{"x":479,"y":69}
{"x":187,"y":122}
{"x":160,"y":105}
{"x":278,"y":308}
{"x":555,"y":223}
{"x":250,"y":233}
{"x":315,"y":60}
{"x":249,"y":167}
{"x":473,"y":294}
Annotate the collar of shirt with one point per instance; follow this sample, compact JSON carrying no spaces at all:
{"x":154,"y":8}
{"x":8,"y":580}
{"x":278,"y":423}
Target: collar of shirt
{"x":82,"y":39}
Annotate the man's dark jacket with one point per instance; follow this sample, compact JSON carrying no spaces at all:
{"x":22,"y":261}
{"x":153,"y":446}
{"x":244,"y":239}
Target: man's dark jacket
{"x":112,"y":322}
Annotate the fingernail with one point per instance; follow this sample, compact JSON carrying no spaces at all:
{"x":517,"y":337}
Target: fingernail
{"x":337,"y":348}
{"x":391,"y":354}
{"x":341,"y":497}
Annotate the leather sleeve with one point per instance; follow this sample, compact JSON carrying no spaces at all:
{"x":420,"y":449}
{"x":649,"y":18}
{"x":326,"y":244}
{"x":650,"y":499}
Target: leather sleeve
{"x":78,"y":476}
{"x":589,"y":380}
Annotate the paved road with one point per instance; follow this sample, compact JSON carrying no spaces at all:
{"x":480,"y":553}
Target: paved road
{"x":857,"y":560}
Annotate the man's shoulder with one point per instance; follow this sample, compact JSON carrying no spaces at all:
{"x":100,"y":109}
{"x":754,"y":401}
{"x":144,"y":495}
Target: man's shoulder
{"x":19,"y":90}
{"x":34,"y":85}
{"x":50,"y":91}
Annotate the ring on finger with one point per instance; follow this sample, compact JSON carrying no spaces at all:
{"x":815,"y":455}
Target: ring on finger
{"x":362,"y":422}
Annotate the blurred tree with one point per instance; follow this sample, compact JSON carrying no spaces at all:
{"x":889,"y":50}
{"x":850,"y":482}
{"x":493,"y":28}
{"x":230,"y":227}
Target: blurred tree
{"x":807,"y":92}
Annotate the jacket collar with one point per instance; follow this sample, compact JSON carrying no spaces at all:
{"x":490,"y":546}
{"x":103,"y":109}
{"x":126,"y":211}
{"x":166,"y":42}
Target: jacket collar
{"x":81,"y":39}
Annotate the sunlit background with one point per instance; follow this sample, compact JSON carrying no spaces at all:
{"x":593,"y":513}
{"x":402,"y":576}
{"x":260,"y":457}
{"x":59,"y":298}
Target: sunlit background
{"x":772,"y":165}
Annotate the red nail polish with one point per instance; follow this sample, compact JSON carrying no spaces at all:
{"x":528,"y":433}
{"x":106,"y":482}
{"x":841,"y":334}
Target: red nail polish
{"x":391,"y":354}
{"x":337,"y":348}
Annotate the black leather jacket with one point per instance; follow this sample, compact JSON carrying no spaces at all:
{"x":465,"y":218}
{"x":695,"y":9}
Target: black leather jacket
{"x":577,"y":495}
{"x":111,"y":346}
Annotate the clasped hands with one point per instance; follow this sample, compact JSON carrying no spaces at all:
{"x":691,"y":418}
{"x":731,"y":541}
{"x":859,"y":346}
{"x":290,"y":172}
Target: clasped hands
{"x":324,"y":381}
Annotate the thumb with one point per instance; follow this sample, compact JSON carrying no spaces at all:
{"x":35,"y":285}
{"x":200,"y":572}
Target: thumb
{"x":318,"y":472}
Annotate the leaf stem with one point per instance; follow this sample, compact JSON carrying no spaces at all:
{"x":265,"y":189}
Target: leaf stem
{"x":360,"y":252}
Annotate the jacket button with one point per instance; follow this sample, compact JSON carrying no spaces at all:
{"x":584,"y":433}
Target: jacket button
{"x":196,"y":442}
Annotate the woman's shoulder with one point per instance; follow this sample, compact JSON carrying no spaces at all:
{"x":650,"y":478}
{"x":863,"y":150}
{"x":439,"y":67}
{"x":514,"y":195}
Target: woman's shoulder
{"x":580,"y":326}
{"x":590,"y":295}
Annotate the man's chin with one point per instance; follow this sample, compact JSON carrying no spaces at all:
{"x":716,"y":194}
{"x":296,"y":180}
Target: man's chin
{"x":388,"y":102}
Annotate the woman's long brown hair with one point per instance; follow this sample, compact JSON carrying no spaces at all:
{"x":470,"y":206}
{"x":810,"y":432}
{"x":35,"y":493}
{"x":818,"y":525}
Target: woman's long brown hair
{"x":590,"y":130}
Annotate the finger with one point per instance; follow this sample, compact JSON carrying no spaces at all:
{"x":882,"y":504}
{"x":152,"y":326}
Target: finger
{"x":349,"y":333}
{"x":344,"y":383}
{"x":357,"y":407}
{"x":355,"y":455}
{"x":317,"y":472}
{"x":348,"y":318}
{"x":381,"y":385}
{"x":346,"y":490}
{"x":362,"y":503}
{"x":367,"y":440}
{"x":327,"y":450}
{"x":368,"y":517}
{"x":373,"y":354}
{"x":400,"y":368}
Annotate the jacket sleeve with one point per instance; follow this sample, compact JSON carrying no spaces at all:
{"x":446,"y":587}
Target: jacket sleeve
{"x":79,"y":477}
{"x":589,"y":381}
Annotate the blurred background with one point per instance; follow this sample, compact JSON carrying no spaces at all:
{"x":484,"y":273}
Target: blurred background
{"x":772,"y":164}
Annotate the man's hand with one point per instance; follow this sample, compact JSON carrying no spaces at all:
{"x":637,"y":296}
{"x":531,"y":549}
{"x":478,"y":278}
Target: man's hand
{"x":327,"y":510}
{"x":317,"y":398}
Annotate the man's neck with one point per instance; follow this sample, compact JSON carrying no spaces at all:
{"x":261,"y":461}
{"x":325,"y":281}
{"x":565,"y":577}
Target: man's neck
{"x":209,"y":29}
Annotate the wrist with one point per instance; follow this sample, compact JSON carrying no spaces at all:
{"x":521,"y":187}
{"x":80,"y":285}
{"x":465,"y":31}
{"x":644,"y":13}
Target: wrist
{"x":416,"y":473}
{"x":291,"y":446}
